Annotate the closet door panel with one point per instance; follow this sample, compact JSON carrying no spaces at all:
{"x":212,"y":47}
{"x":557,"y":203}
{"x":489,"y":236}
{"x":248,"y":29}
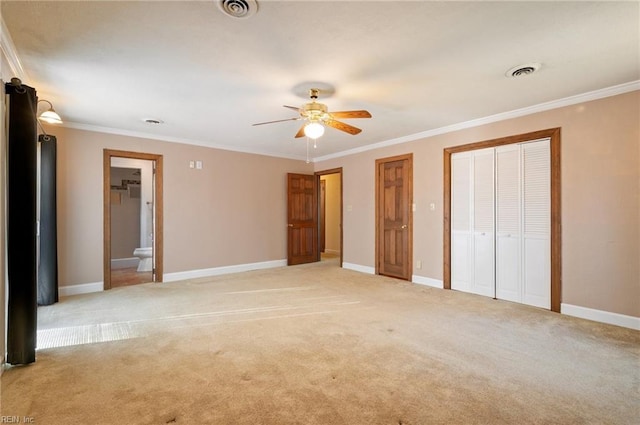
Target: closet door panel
{"x":461,"y":243}
{"x":508,"y":223}
{"x":461,"y":262}
{"x":508,"y":269}
{"x":483,"y":223}
{"x":537,"y":279}
{"x":536,"y":207}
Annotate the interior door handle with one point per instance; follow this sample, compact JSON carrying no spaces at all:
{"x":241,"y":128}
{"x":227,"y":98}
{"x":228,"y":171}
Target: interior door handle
{"x":404,"y":226}
{"x":290,"y":225}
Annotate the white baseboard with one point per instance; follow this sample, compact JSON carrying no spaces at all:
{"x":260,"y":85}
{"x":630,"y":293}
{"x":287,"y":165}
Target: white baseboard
{"x":421,"y":280}
{"x":84,"y":288}
{"x":124,"y":263}
{"x":359,"y":268}
{"x":630,"y":322}
{"x":215,"y":271}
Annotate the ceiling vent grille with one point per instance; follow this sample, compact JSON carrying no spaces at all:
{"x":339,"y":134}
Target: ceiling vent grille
{"x":521,"y":70}
{"x":239,"y":9}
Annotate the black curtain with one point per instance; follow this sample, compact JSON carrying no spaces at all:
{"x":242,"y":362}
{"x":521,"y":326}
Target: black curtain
{"x":48,"y":264}
{"x":21,"y":224}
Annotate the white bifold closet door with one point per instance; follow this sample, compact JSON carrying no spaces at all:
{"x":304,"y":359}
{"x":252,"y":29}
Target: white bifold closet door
{"x":500,"y":209}
{"x":472,"y":233}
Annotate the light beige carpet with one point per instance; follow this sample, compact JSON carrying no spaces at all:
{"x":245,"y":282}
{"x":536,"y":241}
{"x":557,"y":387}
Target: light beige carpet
{"x":316,"y":344}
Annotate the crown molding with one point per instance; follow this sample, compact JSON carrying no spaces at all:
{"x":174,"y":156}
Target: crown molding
{"x":143,"y":135}
{"x":554,"y":104}
{"x":546,"y":106}
{"x":9,"y":52}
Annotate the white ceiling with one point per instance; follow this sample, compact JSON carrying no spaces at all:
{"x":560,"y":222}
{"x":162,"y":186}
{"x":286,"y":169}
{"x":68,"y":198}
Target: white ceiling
{"x":415,"y":65}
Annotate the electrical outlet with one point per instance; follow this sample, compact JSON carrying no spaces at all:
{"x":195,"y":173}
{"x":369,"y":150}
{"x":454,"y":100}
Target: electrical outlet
{"x":419,"y":264}
{"x":199,"y":165}
{"x":192,"y":164}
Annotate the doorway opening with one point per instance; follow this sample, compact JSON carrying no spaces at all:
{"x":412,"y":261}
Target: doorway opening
{"x":314,"y":217}
{"x":330,"y":215}
{"x":132,"y":218}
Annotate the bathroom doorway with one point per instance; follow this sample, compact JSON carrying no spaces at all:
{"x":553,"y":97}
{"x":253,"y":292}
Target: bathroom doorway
{"x":132,"y":218}
{"x":330,"y":215}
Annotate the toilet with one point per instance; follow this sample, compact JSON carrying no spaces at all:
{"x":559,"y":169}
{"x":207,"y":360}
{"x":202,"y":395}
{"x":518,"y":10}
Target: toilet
{"x":146,"y":258}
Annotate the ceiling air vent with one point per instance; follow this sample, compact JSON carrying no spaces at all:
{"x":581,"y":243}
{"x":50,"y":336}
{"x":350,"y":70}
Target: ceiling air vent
{"x":521,"y":70}
{"x":153,"y":121}
{"x":240,"y":9}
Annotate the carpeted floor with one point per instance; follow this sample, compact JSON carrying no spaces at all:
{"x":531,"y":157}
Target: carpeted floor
{"x":316,"y":344}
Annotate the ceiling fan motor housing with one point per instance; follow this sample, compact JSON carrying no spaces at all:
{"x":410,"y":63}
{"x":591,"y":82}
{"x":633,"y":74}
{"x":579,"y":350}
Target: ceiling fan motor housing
{"x":315,"y":111}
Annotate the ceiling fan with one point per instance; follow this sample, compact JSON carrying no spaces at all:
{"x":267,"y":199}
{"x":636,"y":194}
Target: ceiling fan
{"x":316,"y":114}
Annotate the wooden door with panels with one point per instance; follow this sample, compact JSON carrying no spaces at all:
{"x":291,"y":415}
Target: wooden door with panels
{"x":302,"y":219}
{"x":394,"y":221}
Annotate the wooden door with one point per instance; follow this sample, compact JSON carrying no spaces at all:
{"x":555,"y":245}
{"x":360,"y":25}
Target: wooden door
{"x":302,"y":216}
{"x":394,"y":198}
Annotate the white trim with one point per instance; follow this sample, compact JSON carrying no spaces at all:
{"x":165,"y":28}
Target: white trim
{"x":9,"y":52}
{"x":630,"y":322}
{"x":359,"y":268}
{"x":143,"y":135}
{"x":554,"y":104}
{"x":215,"y":271}
{"x":84,"y":288}
{"x":421,"y":280}
{"x":124,"y":263}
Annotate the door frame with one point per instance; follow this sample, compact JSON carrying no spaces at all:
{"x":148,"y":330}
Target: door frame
{"x":324,"y":173}
{"x":158,"y":219}
{"x":378,"y":252}
{"x":556,"y":223}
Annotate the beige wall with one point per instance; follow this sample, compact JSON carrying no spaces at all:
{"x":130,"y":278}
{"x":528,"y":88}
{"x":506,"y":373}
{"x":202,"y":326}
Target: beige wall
{"x":600,"y":198}
{"x":332,"y":216}
{"x":233,"y":211}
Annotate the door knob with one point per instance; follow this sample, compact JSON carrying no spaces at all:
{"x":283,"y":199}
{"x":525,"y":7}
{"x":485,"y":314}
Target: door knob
{"x":404,"y":226}
{"x":290,"y":225}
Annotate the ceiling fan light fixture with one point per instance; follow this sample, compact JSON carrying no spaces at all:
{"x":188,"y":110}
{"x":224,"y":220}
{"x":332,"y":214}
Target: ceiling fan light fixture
{"x":313,"y":130}
{"x":49,"y":115}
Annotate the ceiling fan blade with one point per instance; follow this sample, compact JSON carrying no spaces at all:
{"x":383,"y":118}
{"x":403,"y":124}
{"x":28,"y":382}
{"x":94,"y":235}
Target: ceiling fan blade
{"x":351,"y":114}
{"x":300,"y":132}
{"x":295,"y":108}
{"x":271,"y":122}
{"x":343,"y":127}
